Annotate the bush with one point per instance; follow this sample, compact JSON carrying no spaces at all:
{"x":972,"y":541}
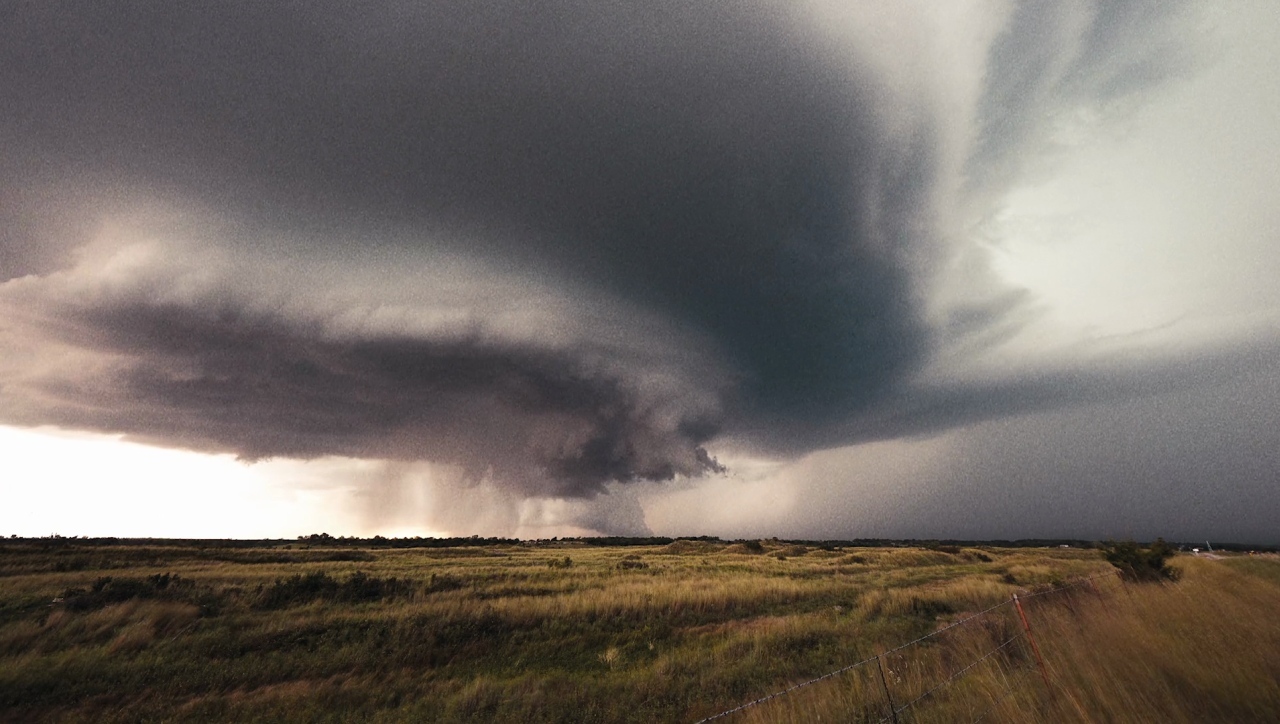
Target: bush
{"x":360,"y":587}
{"x":1141,"y":564}
{"x":108,"y":590}
{"x":632,"y":562}
{"x":444,"y":582}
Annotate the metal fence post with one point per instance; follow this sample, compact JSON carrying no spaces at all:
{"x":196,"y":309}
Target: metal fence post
{"x":1026,"y":625}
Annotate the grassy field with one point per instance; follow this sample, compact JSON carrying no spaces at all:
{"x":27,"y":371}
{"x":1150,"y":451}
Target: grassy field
{"x":570,"y":632}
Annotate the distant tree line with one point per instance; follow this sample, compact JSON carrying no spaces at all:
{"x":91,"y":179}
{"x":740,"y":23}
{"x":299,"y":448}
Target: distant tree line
{"x":377,"y":541}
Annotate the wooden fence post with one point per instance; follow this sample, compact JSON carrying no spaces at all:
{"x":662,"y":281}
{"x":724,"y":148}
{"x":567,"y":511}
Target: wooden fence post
{"x":893,"y":710}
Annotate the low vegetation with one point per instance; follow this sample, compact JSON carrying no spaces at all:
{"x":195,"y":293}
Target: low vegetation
{"x":646,"y":630}
{"x":1142,"y":563}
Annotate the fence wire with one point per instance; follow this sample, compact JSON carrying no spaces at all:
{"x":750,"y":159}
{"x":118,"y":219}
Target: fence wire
{"x":950,"y":679}
{"x":909,"y":644}
{"x":852,"y":666}
{"x":1008,"y":692}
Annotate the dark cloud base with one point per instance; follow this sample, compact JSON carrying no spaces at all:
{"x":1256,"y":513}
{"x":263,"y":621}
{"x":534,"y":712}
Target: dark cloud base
{"x":221,"y":379}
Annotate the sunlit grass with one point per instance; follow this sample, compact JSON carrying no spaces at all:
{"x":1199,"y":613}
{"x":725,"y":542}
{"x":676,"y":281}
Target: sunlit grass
{"x":1204,"y":649}
{"x":659,"y":633}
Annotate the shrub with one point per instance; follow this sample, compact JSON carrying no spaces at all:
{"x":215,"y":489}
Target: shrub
{"x":632,"y":562}
{"x":444,"y":582}
{"x":360,"y":587}
{"x":929,"y":607}
{"x":1141,"y":564}
{"x":108,"y":590}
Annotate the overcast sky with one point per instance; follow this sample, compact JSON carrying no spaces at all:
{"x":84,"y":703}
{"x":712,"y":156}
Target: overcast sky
{"x":746,"y":268}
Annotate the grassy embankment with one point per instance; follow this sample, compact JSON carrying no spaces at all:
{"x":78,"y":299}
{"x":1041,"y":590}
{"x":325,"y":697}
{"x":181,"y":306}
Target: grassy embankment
{"x":662,"y":633}
{"x":1206,"y":648}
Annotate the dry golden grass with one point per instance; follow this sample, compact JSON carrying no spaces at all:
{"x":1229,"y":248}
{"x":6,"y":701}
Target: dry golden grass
{"x":661,"y":633}
{"x":1204,"y":649}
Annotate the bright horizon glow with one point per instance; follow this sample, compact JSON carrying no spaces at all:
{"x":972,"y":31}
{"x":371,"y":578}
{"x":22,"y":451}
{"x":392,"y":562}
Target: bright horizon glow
{"x":90,"y":485}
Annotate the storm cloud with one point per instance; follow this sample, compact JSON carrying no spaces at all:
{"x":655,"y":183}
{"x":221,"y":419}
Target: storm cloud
{"x":212,"y":354}
{"x":702,"y":164}
{"x":558,"y":248}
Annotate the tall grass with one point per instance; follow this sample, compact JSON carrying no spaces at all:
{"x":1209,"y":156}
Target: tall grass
{"x":1204,"y":649}
{"x":660,"y":633}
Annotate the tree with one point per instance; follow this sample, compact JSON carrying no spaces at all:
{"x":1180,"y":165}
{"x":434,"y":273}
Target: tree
{"x":1137,"y":563}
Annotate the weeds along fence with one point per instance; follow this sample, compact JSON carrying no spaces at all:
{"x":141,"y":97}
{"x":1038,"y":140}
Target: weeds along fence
{"x":888,"y":686}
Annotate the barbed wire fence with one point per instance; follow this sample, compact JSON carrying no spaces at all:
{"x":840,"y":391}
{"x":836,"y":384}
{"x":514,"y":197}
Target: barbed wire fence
{"x":1009,"y":690}
{"x":895,"y":711}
